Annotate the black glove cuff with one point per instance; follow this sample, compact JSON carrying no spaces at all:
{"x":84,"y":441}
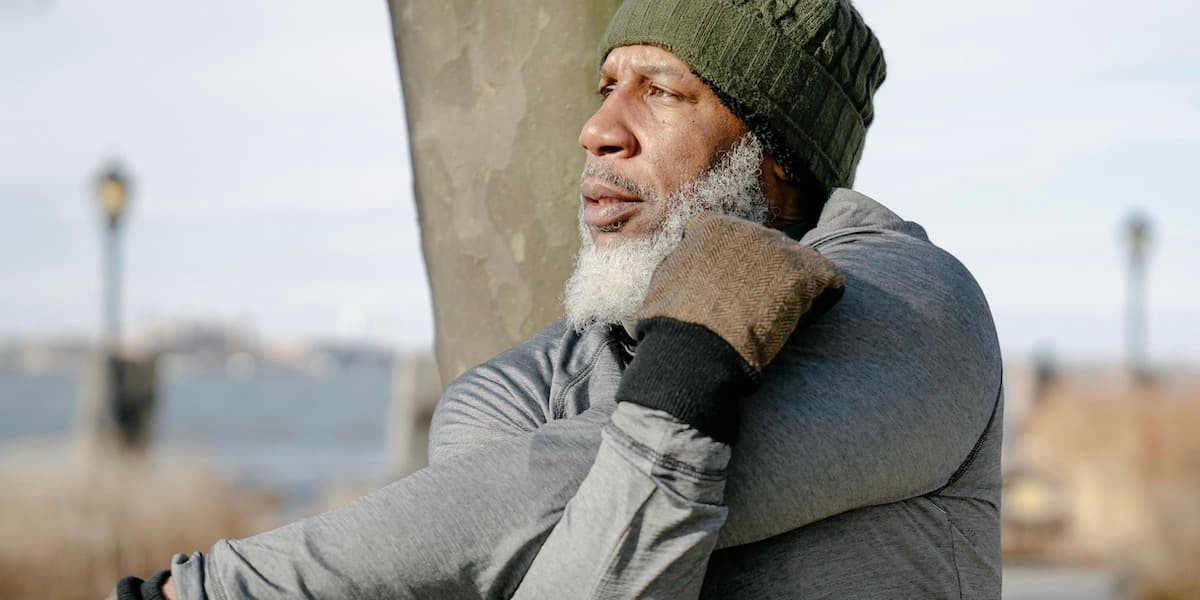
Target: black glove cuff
{"x":690,"y":372}
{"x":134,"y":588}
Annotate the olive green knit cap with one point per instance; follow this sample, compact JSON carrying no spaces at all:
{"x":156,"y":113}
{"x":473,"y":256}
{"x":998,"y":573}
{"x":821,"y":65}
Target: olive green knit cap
{"x":806,"y":68}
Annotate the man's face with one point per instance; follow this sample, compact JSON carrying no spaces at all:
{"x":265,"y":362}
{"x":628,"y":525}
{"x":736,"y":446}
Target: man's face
{"x":661,"y":148}
{"x":658,"y":127}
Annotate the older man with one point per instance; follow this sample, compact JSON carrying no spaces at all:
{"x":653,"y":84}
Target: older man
{"x":805,"y":409}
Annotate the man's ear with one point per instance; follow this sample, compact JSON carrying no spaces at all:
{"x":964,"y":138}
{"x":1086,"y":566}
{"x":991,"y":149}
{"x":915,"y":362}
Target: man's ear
{"x":782,"y":194}
{"x":777,"y":170}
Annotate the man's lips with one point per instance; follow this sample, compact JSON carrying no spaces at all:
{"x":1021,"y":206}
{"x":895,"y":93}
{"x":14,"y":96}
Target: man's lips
{"x":605,"y":204}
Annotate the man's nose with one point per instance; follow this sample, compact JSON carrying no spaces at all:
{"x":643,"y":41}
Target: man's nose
{"x":607,"y":132}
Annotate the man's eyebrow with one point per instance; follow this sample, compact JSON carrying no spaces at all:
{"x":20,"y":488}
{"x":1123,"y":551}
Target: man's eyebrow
{"x":652,"y":69}
{"x":660,"y":69}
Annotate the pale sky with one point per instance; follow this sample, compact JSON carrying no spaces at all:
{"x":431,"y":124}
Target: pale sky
{"x":273,"y":183}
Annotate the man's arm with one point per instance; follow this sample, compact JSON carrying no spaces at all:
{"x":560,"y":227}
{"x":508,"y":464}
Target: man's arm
{"x":646,"y":518}
{"x":889,"y":400}
{"x":898,"y":389}
{"x":644,"y":521}
{"x":465,"y":528}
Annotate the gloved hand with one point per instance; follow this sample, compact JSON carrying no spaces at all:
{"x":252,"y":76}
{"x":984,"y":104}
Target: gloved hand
{"x":746,"y":283}
{"x":719,"y":309}
{"x":133,"y":588}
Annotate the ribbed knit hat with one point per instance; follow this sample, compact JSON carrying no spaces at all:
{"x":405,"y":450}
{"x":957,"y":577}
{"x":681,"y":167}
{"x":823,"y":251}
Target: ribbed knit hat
{"x":806,"y":69}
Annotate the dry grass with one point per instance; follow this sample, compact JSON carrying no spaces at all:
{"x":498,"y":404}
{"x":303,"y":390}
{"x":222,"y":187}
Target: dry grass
{"x":70,"y":531}
{"x":1129,"y":464}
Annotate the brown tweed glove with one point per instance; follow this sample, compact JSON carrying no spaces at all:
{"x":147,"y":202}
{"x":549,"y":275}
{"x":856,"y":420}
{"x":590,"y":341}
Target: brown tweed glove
{"x":720,"y":307}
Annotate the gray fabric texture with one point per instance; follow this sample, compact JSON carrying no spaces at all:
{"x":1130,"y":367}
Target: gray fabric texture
{"x":644,"y":521}
{"x":868,"y":464}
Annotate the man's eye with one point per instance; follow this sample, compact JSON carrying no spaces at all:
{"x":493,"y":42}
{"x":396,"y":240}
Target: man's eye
{"x":662,"y":93}
{"x":607,"y":90}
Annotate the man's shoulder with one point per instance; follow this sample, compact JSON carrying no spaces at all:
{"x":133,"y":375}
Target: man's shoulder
{"x":893,"y":260}
{"x":557,"y":347}
{"x":531,"y":358}
{"x":532,"y":369}
{"x":908,"y":303}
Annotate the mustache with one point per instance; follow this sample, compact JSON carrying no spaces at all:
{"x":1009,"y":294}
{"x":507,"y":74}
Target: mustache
{"x":613,"y":178}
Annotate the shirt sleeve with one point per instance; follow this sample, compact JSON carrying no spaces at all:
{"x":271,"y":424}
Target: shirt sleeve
{"x":494,"y":402}
{"x":882,"y":399}
{"x":645,"y":519}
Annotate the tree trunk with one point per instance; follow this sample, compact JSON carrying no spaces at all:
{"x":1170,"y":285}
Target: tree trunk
{"x":496,"y":93}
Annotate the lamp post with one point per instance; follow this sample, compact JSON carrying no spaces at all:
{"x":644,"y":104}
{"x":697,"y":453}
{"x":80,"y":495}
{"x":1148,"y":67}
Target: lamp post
{"x":119,"y":400}
{"x":112,"y":192}
{"x":1138,"y":234}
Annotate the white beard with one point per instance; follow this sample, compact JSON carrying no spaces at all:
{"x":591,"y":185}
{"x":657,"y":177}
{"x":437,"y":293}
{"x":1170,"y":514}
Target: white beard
{"x":610,"y":283}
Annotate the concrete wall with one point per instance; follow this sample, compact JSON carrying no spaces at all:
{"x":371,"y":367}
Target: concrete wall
{"x":496,"y":92}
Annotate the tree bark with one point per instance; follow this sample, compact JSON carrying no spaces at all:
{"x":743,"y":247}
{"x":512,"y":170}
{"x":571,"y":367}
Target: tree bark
{"x":496,"y":93}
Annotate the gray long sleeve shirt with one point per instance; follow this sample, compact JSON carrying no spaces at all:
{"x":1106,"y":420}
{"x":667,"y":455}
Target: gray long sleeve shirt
{"x":867,"y":466}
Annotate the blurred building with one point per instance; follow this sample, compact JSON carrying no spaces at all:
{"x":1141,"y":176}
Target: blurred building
{"x":1102,"y":470}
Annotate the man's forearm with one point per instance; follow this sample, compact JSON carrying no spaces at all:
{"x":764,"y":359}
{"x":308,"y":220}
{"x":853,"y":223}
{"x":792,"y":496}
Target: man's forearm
{"x":470,"y":526}
{"x":861,"y":421}
{"x":644,"y":521}
{"x":646,"y":518}
{"x":466,"y":528}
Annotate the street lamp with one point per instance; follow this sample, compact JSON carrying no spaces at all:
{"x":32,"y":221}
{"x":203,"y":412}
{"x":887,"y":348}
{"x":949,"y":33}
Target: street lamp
{"x":112,"y":193}
{"x":119,"y":398}
{"x":1138,"y":237}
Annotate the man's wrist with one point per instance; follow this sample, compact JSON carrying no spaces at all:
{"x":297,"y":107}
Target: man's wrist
{"x":690,"y":372}
{"x":168,"y":589}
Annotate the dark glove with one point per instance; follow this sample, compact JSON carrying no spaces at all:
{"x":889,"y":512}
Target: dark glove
{"x":133,"y":588}
{"x":719,"y":309}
